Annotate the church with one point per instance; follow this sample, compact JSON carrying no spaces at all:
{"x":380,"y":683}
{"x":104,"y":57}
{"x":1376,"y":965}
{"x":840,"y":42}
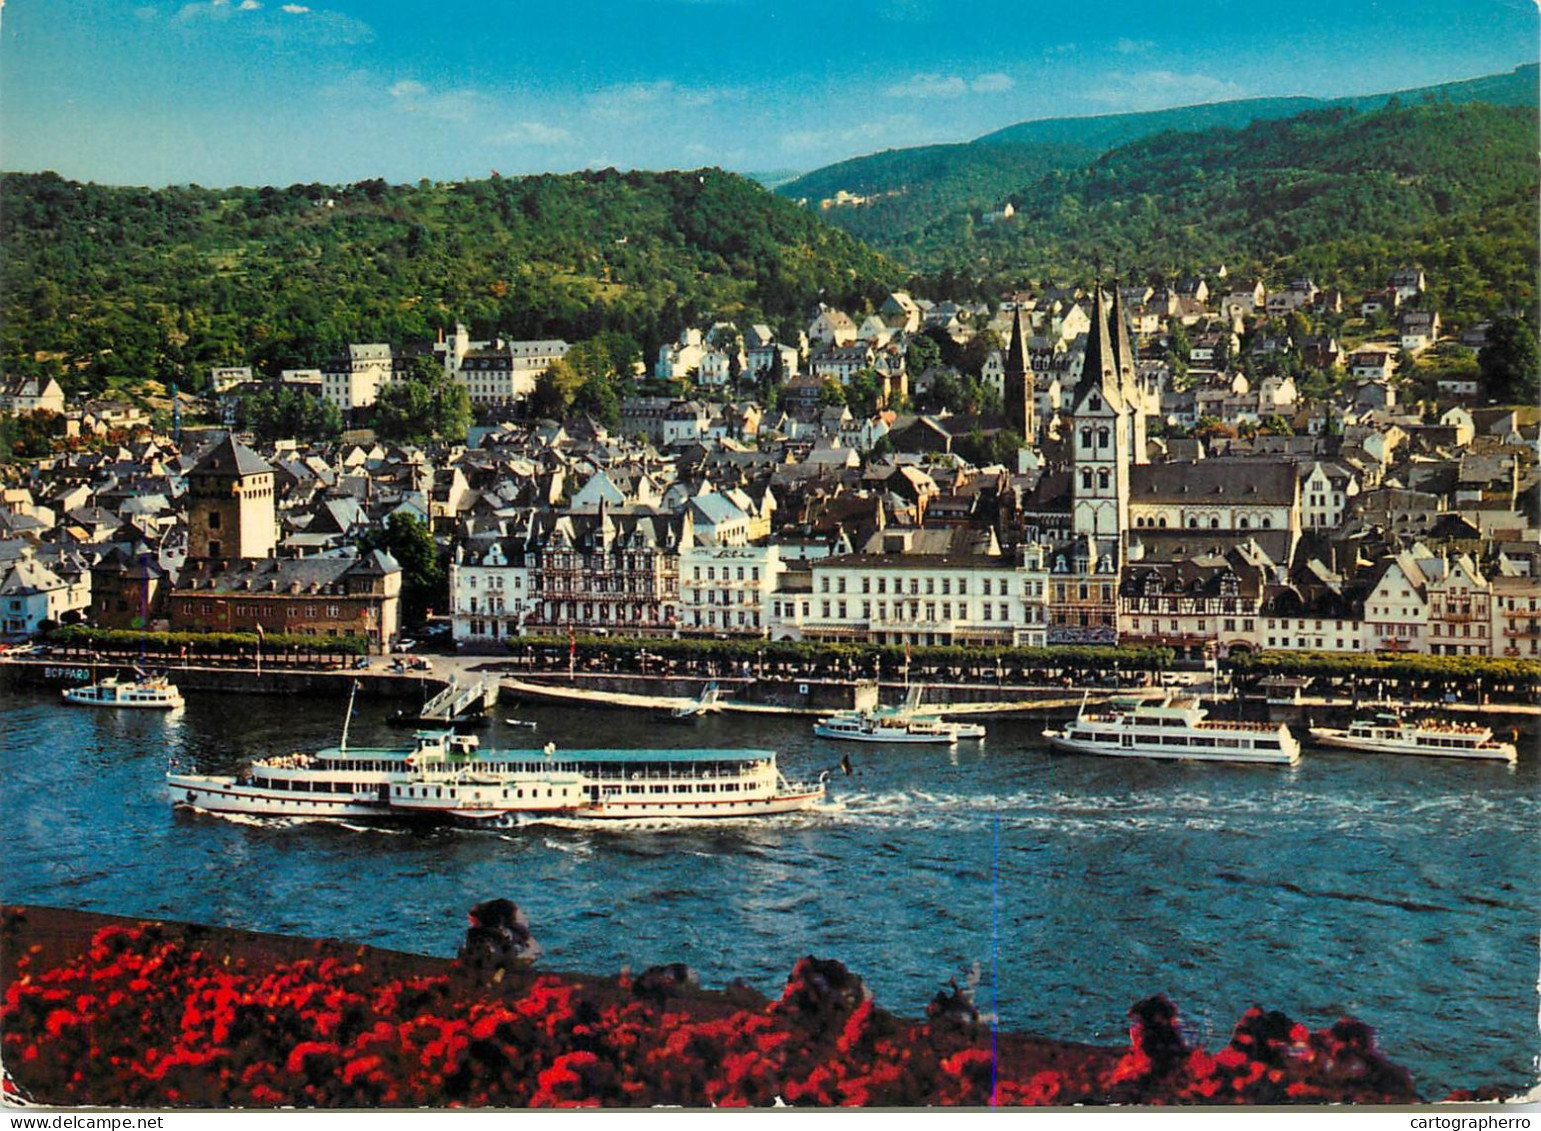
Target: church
{"x":1123,"y":508}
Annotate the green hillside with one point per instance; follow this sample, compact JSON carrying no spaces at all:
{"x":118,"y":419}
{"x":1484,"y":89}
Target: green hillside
{"x":944,"y":187}
{"x":105,"y":282}
{"x":1341,"y":195}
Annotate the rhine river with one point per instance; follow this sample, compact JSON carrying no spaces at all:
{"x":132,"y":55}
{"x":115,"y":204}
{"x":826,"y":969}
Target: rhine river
{"x":1402,"y":891}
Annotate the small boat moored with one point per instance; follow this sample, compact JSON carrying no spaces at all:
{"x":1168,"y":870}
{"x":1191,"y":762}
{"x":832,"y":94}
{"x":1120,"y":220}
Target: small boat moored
{"x":1389,"y":733}
{"x":154,"y":693}
{"x":903,"y":724}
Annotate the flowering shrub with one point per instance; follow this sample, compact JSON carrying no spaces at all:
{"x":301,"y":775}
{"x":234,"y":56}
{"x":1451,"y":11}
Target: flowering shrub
{"x":146,"y":1018}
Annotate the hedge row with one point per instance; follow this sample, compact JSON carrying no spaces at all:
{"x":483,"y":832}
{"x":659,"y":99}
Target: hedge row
{"x":892,"y":656}
{"x":78,"y":636}
{"x":1413,"y":666}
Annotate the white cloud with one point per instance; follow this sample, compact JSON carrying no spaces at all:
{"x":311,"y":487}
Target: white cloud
{"x":1134,"y":46}
{"x":928,"y":86}
{"x":408,"y":96}
{"x":899,"y":128}
{"x":319,"y":28}
{"x":933,"y":85}
{"x":1153,"y":90}
{"x":633,"y":103}
{"x":534,"y":133}
{"x":993,"y":83}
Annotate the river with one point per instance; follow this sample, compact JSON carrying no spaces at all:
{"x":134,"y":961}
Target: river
{"x":1399,"y":890}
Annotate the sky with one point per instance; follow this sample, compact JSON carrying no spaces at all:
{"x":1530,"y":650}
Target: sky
{"x":251,"y":92}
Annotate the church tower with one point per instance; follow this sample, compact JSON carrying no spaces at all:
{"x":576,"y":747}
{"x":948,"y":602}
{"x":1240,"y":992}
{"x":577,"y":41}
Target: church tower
{"x":1128,"y":380}
{"x":231,"y":509}
{"x":1017,"y":386}
{"x":1101,"y":434}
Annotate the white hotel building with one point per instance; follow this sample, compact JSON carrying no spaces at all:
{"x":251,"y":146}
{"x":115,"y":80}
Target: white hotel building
{"x":923,"y":599}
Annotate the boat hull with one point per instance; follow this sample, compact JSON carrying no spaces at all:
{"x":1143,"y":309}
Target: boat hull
{"x":226,"y":795}
{"x":1498,"y":752}
{"x":79,"y":698}
{"x":1072,"y":745}
{"x":889,"y":738}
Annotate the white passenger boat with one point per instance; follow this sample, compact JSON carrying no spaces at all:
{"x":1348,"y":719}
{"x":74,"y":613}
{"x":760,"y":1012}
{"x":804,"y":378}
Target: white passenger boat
{"x":1388,"y":733}
{"x":894,"y":725}
{"x":154,"y":693}
{"x":902,"y":724}
{"x":446,"y":777}
{"x":1174,"y":727}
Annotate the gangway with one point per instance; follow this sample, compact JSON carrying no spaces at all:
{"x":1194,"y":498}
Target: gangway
{"x":455,"y":704}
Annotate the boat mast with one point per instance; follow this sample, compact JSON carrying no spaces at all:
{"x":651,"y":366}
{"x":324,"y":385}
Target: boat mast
{"x":348,"y":718}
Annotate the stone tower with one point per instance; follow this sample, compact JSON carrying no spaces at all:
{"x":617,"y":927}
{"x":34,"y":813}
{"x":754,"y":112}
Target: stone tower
{"x":1101,"y":433}
{"x":231,"y":510}
{"x":1017,"y":385}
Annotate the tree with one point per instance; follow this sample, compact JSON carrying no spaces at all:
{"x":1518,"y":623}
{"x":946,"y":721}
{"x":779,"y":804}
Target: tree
{"x":596,"y":397}
{"x":922,"y":354}
{"x":1510,"y":366}
{"x":1212,"y":427}
{"x":29,"y":435}
{"x":864,"y":391}
{"x":425,"y":406}
{"x":555,"y":391}
{"x":1275,"y":425}
{"x":424,"y":582}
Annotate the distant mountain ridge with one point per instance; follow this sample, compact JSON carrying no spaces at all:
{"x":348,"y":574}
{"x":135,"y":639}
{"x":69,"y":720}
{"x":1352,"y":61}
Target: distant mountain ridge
{"x":906,"y":191}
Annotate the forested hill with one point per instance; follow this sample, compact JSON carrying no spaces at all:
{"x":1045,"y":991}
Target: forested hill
{"x":1340,"y":195}
{"x":166,"y":283}
{"x":910,"y":189}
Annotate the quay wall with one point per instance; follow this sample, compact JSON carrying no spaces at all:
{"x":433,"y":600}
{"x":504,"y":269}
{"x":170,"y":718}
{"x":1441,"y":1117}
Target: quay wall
{"x":63,"y":673}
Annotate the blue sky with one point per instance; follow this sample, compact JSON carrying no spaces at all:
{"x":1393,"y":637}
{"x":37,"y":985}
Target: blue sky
{"x":223,"y":92}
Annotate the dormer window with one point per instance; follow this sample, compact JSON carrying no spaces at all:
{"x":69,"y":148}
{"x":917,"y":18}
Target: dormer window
{"x":1095,"y":404}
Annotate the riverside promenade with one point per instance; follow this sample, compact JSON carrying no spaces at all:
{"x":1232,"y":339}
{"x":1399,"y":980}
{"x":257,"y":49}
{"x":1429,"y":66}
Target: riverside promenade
{"x":781,"y":692}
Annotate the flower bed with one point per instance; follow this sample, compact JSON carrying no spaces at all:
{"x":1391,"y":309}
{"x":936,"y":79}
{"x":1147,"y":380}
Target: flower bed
{"x":146,"y":1014}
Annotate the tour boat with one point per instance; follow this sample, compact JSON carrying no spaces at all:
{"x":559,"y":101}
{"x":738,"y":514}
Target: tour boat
{"x":444,"y":776}
{"x":154,"y":693}
{"x":1388,"y":733}
{"x":894,"y":725}
{"x":1174,"y":727}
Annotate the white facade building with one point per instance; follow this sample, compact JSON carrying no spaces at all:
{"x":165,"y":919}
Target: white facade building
{"x":489,"y":590}
{"x":354,"y":379}
{"x":927,"y":599}
{"x":727,"y":589}
{"x":31,"y":593}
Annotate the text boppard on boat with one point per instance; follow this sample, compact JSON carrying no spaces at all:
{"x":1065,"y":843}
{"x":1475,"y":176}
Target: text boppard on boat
{"x":446,"y":776}
{"x":146,"y":693}
{"x":1391,"y":734}
{"x":1176,"y":727}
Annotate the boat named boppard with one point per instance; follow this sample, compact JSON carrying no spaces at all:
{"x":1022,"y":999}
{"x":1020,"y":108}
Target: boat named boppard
{"x":1389,"y":733}
{"x":446,"y":777}
{"x":1175,"y":727}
